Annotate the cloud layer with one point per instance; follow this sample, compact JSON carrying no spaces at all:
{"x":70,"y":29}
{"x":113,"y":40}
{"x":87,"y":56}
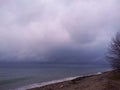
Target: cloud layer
{"x":54,"y":30}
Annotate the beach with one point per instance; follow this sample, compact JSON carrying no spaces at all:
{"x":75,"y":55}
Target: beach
{"x":100,"y":81}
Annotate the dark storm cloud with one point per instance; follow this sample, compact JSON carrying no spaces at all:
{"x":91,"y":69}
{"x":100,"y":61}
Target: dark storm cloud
{"x":57,"y":30}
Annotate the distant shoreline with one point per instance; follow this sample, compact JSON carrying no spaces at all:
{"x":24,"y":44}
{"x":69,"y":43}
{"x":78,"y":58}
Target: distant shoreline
{"x":98,"y":81}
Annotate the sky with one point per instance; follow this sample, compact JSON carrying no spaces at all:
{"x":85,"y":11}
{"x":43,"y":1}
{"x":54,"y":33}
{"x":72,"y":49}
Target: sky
{"x":61,"y":31}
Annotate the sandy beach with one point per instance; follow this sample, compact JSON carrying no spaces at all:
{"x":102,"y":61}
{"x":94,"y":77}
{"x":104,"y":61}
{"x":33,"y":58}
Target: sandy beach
{"x":104,"y":81}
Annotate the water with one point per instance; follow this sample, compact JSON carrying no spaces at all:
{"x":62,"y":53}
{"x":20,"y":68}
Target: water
{"x":12,"y":78}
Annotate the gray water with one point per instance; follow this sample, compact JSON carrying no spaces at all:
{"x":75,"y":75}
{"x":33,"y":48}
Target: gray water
{"x":11,"y":78}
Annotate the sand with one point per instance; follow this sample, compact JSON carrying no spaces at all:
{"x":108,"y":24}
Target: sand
{"x":104,"y":81}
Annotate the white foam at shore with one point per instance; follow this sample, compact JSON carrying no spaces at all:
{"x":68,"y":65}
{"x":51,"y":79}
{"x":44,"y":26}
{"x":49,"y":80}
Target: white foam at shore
{"x":53,"y":82}
{"x":45,"y":83}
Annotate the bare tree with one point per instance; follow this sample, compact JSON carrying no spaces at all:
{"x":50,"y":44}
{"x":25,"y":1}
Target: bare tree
{"x":114,"y":52}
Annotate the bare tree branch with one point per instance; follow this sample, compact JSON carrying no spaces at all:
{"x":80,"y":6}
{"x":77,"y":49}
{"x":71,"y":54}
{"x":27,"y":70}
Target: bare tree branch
{"x":114,"y":52}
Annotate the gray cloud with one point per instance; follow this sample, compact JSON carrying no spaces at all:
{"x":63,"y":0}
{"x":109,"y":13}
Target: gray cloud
{"x":62,"y":30}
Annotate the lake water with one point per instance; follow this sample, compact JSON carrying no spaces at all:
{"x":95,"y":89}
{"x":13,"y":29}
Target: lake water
{"x":12,"y":78}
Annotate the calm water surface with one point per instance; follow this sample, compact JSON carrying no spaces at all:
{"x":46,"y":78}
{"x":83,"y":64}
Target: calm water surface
{"x":11,"y":78}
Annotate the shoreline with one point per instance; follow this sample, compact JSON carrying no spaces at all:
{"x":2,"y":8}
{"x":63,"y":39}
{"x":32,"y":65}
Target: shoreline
{"x":35,"y":85}
{"x":44,"y":84}
{"x":98,"y":81}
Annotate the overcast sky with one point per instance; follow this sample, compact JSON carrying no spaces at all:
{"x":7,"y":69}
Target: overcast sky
{"x":57,"y":30}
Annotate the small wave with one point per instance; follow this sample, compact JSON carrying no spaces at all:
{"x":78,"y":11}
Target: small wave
{"x":45,"y":83}
{"x":53,"y":82}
